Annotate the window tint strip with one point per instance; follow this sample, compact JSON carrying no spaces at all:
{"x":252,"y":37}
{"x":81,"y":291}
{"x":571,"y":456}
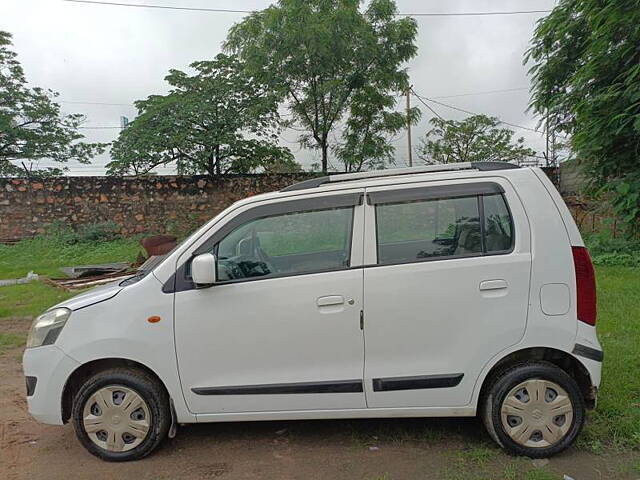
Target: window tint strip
{"x":435,"y":192}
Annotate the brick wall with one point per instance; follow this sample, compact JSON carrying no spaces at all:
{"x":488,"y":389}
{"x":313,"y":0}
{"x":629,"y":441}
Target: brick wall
{"x":136,"y":205}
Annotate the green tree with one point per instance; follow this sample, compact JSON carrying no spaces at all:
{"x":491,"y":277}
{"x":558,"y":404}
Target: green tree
{"x":586,"y":77}
{"x":32,"y":128}
{"x":475,"y":139}
{"x":215,"y":122}
{"x":318,"y":55}
{"x":371,"y":122}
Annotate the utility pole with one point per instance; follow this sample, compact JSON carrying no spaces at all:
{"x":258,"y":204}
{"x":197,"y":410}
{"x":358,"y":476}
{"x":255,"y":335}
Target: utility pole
{"x":546,"y":125}
{"x":409,"y":125}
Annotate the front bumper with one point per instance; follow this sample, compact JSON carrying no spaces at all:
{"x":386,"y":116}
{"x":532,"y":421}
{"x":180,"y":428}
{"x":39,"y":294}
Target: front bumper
{"x":51,"y":368}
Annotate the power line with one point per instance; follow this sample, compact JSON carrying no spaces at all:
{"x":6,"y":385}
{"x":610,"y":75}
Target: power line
{"x":286,"y":114}
{"x":472,"y":14}
{"x":427,"y":105}
{"x":99,"y":128}
{"x":225,"y":10}
{"x":164,"y":7}
{"x":474,"y":113}
{"x":471,"y":113}
{"x":486,"y":92}
{"x":96,"y":103}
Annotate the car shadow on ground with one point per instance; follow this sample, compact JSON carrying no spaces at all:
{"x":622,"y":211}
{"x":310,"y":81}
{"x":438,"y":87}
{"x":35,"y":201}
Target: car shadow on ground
{"x":359,"y":432}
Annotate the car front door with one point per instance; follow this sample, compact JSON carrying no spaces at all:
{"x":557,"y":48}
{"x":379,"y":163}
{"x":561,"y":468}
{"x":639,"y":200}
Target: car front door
{"x":280,"y":331}
{"x":447,"y":288}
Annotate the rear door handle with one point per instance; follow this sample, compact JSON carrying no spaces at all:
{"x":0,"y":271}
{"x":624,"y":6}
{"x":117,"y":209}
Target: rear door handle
{"x":493,"y":285}
{"x":330,"y":300}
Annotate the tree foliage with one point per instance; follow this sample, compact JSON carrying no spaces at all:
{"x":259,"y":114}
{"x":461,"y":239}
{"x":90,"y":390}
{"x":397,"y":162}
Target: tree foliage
{"x":327,"y":58}
{"x":32,"y":127}
{"x":475,"y":139}
{"x":585,"y":59}
{"x":371,"y":122}
{"x":215,"y":122}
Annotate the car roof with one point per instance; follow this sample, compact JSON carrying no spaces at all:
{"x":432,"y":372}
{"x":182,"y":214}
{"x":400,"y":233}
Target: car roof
{"x":341,"y":181}
{"x":394,"y":172}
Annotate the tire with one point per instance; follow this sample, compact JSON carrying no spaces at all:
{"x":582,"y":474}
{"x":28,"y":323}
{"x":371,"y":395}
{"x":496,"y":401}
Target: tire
{"x":534,"y":410}
{"x":126,"y":412}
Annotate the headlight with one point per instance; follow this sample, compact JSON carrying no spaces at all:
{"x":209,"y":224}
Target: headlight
{"x":46,"y":328}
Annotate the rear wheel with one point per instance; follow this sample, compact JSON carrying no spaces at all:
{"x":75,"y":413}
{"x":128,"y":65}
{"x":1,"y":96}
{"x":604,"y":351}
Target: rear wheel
{"x":121,"y":414}
{"x":535,"y":409}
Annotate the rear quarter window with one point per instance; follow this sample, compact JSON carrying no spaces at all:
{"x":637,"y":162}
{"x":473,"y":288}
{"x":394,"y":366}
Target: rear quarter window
{"x":498,"y":226}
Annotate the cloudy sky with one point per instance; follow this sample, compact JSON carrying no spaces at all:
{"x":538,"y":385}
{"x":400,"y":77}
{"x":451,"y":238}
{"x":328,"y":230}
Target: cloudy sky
{"x":102,"y":58}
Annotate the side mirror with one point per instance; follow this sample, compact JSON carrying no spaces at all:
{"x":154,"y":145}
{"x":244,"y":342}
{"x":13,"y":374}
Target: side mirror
{"x":203,"y":269}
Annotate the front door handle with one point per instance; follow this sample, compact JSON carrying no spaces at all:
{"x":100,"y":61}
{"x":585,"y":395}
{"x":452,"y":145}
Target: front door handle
{"x":330,"y":300}
{"x":493,"y":285}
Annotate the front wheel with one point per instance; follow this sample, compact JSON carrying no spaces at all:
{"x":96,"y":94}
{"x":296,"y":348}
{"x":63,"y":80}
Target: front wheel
{"x":121,"y":414}
{"x":535,"y":410}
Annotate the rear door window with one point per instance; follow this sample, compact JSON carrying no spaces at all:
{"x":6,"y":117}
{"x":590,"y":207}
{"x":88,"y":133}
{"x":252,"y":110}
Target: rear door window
{"x":463,"y":225}
{"x":426,"y":229}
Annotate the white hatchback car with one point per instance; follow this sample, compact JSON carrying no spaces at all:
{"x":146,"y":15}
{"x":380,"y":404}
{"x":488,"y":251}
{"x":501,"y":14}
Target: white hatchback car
{"x":468,"y":287}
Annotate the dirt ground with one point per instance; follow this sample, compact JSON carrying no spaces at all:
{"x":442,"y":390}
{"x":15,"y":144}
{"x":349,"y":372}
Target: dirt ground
{"x":358,"y":449}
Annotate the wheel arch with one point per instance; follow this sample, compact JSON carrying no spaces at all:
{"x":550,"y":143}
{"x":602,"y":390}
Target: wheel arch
{"x":86,"y":370}
{"x":561,"y":359}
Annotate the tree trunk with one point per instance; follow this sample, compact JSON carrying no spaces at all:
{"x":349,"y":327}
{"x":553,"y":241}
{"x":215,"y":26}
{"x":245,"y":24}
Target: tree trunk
{"x":211,"y":161}
{"x":218,"y":167}
{"x":325,"y":157}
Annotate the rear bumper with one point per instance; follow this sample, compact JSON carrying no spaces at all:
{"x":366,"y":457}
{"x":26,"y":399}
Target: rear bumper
{"x":588,"y":352}
{"x":594,"y":368}
{"x":47,"y":370}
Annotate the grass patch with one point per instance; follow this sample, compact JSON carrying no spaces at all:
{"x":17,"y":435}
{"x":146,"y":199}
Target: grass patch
{"x":30,"y":299}
{"x":541,"y":475}
{"x":616,"y":421}
{"x":481,"y":463}
{"x":11,"y":340}
{"x":45,"y":255}
{"x":479,"y":455}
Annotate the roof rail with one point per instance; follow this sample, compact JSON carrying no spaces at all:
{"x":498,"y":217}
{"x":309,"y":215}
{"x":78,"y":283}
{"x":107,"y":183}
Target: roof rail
{"x":392,"y":172}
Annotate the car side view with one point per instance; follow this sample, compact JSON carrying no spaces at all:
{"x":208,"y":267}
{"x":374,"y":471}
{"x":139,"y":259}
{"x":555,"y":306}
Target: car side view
{"x":468,"y":286}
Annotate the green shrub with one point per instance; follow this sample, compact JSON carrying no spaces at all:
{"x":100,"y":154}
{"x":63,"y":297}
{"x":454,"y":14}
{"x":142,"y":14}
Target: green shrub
{"x":184,"y":225}
{"x":617,"y":260}
{"x":98,"y":232}
{"x":610,"y":251}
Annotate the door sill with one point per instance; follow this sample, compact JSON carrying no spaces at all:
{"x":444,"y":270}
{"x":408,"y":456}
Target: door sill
{"x":466,"y":411}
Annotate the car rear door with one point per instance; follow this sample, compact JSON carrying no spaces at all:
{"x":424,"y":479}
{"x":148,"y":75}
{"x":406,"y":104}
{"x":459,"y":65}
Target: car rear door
{"x":446,"y":287}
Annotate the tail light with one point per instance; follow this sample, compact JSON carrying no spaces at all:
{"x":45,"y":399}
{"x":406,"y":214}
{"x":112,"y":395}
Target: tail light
{"x":585,"y":284}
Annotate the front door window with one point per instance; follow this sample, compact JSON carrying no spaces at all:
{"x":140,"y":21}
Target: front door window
{"x":289,"y":244}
